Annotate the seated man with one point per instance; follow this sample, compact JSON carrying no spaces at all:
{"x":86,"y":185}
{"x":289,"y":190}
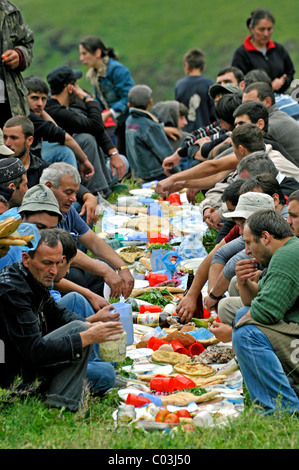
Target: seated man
{"x":18,"y":136}
{"x":51,"y":142}
{"x":146,"y":142}
{"x":44,"y":340}
{"x":64,"y":181}
{"x":265,"y":332}
{"x":223,"y":264}
{"x":87,"y":128}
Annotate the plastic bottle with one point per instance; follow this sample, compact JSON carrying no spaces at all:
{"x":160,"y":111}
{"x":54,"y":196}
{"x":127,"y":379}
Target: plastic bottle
{"x":125,"y":317}
{"x":199,"y":305}
{"x":153,"y":319}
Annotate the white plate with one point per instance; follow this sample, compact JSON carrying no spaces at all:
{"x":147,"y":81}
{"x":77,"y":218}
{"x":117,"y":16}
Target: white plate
{"x":145,"y":192}
{"x":118,"y":250}
{"x":192,"y":263}
{"x":143,"y":368}
{"x":140,"y":284}
{"x":139,"y":352}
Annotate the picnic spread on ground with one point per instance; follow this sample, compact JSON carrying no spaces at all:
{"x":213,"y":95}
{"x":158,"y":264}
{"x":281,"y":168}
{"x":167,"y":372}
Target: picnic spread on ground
{"x":175,"y":373}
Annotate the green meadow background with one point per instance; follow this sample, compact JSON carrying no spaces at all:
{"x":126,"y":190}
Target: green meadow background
{"x":151,"y":36}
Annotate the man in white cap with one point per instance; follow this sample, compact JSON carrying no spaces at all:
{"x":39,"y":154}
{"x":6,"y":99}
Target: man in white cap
{"x":4,"y":150}
{"x":248,"y":203}
{"x":266,"y":330}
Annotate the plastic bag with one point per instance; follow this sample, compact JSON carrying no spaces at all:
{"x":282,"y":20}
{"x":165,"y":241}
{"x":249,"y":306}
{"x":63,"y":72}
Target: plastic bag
{"x":192,"y":247}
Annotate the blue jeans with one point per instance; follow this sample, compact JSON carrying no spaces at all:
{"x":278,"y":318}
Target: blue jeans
{"x":100,"y":374}
{"x":53,"y":152}
{"x":266,"y":381}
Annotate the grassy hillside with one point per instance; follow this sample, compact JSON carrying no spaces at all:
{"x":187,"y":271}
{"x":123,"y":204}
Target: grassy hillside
{"x":150,"y":36}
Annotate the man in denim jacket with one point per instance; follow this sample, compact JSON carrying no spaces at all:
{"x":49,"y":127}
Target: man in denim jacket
{"x":146,"y":141}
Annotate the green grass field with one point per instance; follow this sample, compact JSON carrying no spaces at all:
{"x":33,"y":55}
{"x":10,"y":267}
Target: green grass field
{"x":150,"y":36}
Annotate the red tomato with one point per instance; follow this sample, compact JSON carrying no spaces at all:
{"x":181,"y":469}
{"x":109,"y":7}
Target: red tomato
{"x":188,"y":427}
{"x":183,"y":413}
{"x":172,"y":418}
{"x":161,"y":415}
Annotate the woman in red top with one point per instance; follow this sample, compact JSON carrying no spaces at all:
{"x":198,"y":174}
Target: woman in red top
{"x":258,"y":51}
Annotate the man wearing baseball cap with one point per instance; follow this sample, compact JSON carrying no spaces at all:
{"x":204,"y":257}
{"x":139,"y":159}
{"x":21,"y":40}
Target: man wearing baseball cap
{"x":85,"y":124}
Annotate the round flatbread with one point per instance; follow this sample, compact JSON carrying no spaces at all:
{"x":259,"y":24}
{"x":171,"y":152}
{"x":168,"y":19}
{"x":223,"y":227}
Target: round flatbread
{"x":169,"y":357}
{"x":194,"y":369}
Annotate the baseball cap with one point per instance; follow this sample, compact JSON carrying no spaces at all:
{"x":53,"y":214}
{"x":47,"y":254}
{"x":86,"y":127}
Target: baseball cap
{"x":61,"y":76}
{"x":40,"y":198}
{"x":139,"y":96}
{"x":249,"y":203}
{"x":3,"y":149}
{"x":10,"y":169}
{"x":218,"y":89}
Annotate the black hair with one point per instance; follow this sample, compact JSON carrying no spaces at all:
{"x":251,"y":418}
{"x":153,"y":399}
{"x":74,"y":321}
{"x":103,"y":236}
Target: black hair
{"x":257,"y":15}
{"x":36,"y":84}
{"x":264,"y":90}
{"x":268,"y":220}
{"x":267,"y":182}
{"x":294,"y":196}
{"x":257,"y":75}
{"x":69,"y":246}
{"x":24,"y":122}
{"x":238,"y":74}
{"x":92,"y":43}
{"x":48,"y":237}
{"x":226,"y":106}
{"x":255,"y":110}
{"x":250,"y":136}
{"x":195,"y":58}
{"x":232,"y":192}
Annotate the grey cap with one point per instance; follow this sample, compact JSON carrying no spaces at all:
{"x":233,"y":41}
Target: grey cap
{"x":139,"y":96}
{"x":228,"y":88}
{"x":249,"y":203}
{"x":10,"y":169}
{"x":40,"y":198}
{"x":4,"y":150}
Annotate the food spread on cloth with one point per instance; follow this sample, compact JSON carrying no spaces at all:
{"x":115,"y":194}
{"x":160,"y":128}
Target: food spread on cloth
{"x":174,"y":372}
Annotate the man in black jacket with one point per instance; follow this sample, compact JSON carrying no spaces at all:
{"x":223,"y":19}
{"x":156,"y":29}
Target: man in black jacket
{"x":86,"y":125}
{"x":44,"y":340}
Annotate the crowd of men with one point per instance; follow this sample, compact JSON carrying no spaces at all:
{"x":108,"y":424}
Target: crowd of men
{"x":236,"y":141}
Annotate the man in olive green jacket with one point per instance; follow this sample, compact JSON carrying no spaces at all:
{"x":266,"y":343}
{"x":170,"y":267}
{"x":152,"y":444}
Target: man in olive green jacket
{"x":16,"y":55}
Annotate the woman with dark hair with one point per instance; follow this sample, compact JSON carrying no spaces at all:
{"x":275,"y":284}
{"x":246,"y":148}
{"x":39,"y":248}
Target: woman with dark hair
{"x":111,"y":82}
{"x":258,"y":51}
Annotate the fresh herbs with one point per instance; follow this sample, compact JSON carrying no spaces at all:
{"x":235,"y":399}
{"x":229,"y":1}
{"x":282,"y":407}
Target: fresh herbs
{"x":156,"y":297}
{"x":159,"y":246}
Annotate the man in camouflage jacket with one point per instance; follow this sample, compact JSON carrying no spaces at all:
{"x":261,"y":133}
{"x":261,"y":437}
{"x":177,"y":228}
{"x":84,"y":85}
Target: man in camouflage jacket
{"x":16,"y":55}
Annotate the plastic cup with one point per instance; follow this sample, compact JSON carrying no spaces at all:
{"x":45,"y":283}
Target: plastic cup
{"x":195,"y":349}
{"x":178,"y":347}
{"x":161,"y":383}
{"x":154,"y":343}
{"x":158,"y":238}
{"x":181,"y":382}
{"x":175,"y":200}
{"x":206,"y":313}
{"x":137,"y":400}
{"x":153,"y":398}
